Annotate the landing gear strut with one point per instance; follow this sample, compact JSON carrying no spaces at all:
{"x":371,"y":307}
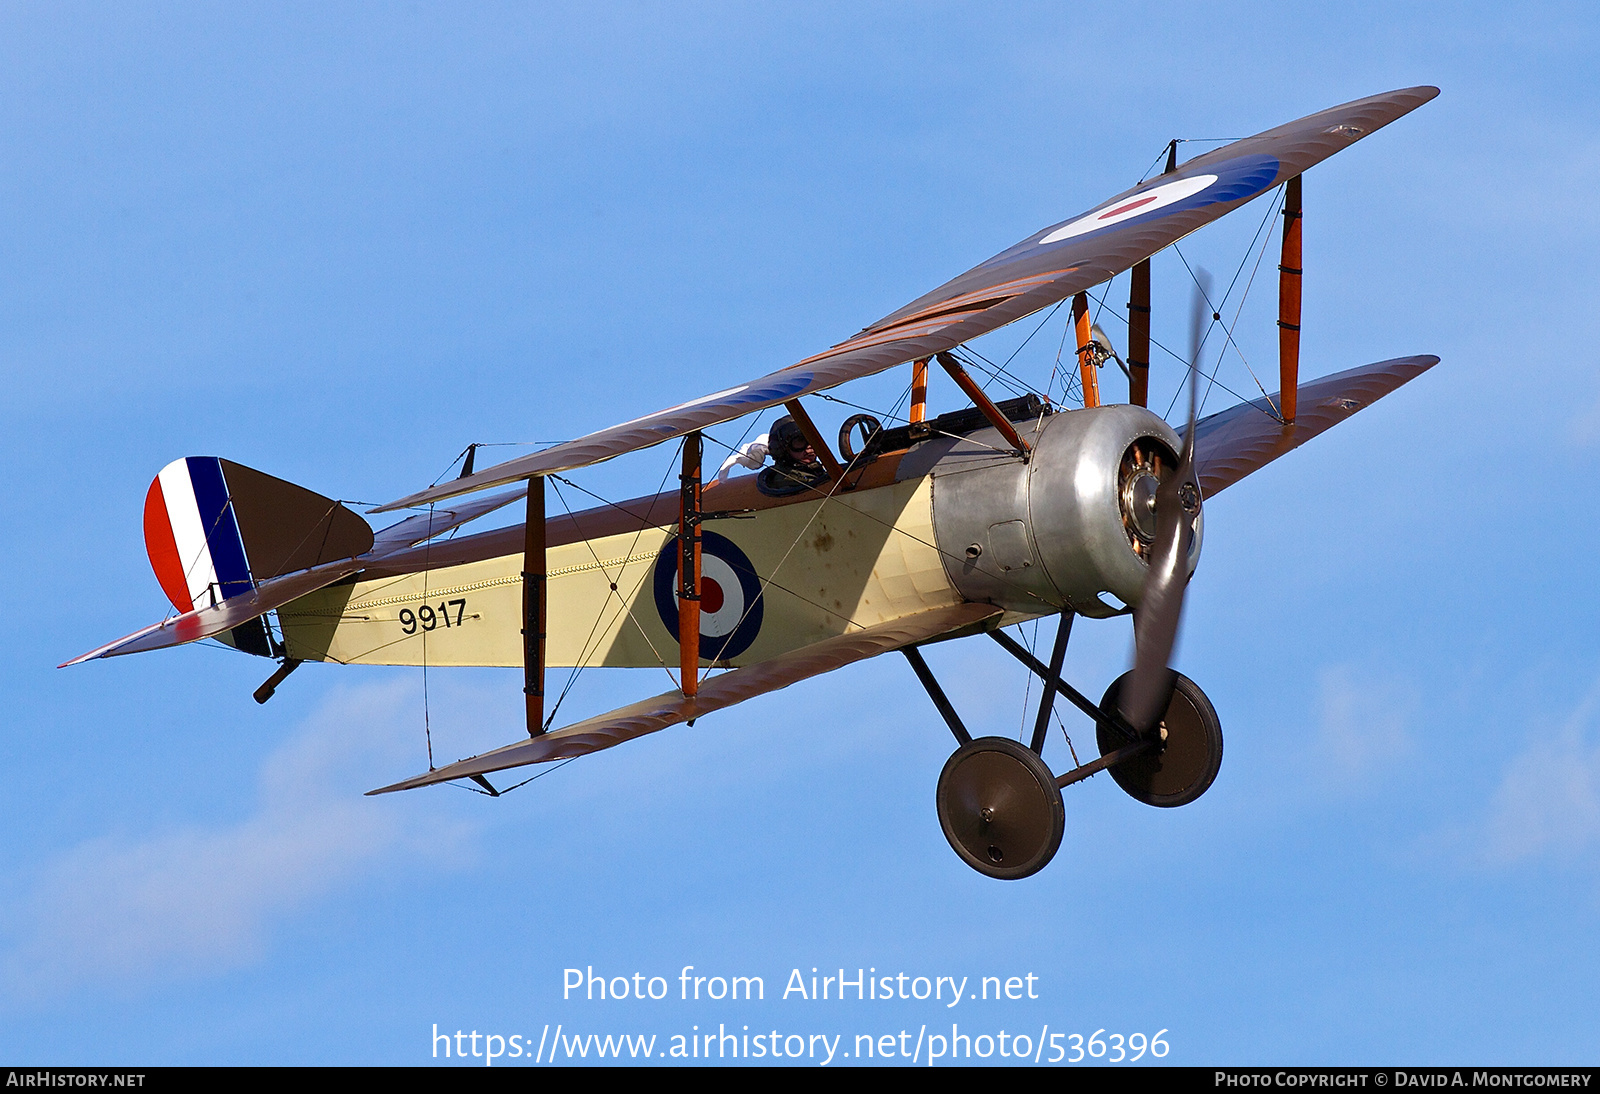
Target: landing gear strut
{"x":999,"y":804}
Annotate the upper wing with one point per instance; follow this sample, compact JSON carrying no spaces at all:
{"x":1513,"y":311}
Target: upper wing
{"x":1245,"y":438}
{"x":626,"y":723}
{"x":1047,"y":267}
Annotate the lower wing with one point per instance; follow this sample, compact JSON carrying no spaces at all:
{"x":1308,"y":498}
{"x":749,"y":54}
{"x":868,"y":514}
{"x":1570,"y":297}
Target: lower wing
{"x":1235,"y":442}
{"x":670,"y":708}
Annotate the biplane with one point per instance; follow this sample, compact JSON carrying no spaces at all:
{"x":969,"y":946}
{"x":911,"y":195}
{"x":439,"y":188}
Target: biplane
{"x":916,"y":530}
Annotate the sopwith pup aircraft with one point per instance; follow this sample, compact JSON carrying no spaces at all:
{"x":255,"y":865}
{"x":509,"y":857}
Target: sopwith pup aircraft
{"x":909,"y":531}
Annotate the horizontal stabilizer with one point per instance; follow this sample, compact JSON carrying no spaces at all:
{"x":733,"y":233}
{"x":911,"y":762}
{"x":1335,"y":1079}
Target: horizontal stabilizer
{"x":1235,"y":442}
{"x":235,"y":611}
{"x":717,"y":692}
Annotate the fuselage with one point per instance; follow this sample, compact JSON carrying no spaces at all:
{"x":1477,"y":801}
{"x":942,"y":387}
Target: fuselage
{"x":946,"y":520}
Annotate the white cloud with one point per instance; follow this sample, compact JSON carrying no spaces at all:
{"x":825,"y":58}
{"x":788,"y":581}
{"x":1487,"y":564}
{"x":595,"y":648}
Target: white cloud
{"x":1585,"y":428}
{"x":203,"y":900}
{"x":1362,"y":728}
{"x":1548,"y":802}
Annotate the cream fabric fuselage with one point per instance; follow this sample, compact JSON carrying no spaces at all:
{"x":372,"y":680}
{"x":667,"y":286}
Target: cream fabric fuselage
{"x":827,"y":565}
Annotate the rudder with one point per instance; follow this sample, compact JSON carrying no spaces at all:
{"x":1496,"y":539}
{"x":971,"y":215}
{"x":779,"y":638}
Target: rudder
{"x":215,"y":529}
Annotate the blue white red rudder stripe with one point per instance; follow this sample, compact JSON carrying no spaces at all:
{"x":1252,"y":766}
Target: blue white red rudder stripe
{"x":192,"y":535}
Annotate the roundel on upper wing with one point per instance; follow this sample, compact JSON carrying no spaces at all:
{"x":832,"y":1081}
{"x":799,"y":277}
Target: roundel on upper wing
{"x":730,"y":596}
{"x":1233,"y":180}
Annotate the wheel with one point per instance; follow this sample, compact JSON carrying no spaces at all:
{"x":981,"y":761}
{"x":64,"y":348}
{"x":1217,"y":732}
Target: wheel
{"x":1000,"y":808}
{"x":1189,"y":758}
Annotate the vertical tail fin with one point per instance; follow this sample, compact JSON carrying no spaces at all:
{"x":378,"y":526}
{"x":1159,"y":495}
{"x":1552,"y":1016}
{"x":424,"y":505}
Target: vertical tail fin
{"x":214,"y":529}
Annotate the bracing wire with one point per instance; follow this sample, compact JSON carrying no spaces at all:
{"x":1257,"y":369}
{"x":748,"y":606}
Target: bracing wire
{"x":996,"y":373}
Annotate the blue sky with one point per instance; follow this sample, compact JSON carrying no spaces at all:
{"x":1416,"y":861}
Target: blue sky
{"x":338,"y":245}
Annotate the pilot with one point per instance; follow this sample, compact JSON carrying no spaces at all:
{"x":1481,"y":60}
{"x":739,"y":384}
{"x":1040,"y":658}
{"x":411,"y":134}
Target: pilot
{"x":795,"y":466}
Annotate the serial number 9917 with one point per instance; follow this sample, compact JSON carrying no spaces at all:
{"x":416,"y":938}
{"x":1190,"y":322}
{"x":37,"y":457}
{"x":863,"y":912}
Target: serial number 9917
{"x":428,"y":617}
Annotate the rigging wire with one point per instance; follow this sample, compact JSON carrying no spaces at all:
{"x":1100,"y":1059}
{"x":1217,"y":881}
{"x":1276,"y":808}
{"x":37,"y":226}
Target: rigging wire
{"x":1067,"y":377}
{"x":638,"y":532}
{"x":1050,"y":384}
{"x":1152,"y":166}
{"x":996,"y":373}
{"x":1050,"y":315}
{"x":973,"y":359}
{"x":539,"y":775}
{"x":584,"y":650}
{"x":1236,"y":313}
{"x":824,"y":497}
{"x":1055,"y":710}
{"x":832,"y":490}
{"x":893,"y":529}
{"x":1030,"y":640}
{"x":485,"y":444}
{"x":1182,"y":140}
{"x":1182,"y":361}
{"x":857,"y":406}
{"x":514,"y":786}
{"x":1217,"y":307}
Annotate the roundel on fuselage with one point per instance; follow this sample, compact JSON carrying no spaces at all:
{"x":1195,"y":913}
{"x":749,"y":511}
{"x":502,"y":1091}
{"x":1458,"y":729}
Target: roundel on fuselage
{"x":730,"y":596}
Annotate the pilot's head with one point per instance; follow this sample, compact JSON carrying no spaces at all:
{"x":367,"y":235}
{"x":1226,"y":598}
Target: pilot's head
{"x":788,"y":445}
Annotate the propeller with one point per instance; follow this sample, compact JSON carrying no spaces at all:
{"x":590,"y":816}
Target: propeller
{"x":1145,"y":696}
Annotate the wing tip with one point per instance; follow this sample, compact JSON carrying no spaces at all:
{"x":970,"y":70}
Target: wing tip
{"x":1411,"y":97}
{"x":1421,"y":361}
{"x":110,"y":648}
{"x":406,"y":784}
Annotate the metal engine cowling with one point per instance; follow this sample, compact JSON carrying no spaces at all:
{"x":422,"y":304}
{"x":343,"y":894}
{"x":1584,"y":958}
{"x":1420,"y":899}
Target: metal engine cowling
{"x":1065,"y":528}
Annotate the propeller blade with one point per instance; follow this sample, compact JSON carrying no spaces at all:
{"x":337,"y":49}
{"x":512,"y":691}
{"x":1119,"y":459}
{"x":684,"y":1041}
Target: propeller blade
{"x":1146,"y":695}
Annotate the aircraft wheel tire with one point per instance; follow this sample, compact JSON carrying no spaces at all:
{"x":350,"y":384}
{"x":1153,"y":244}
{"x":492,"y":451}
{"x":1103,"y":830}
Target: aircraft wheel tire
{"x":1000,"y":808}
{"x":1187,"y":763}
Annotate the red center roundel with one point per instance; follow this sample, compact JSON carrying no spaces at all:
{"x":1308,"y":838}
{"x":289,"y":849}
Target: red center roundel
{"x":1128,"y":208}
{"x":710,"y":595}
{"x":730,"y":596}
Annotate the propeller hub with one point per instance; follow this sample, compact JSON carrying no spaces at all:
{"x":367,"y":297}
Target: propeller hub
{"x":1139,"y":505}
{"x":1144,"y":464}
